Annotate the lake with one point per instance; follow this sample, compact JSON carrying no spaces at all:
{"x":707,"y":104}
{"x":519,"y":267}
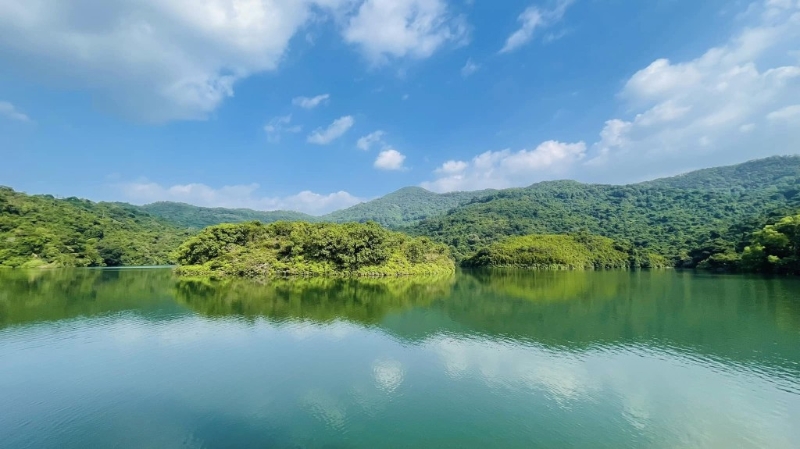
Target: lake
{"x":508,"y":359}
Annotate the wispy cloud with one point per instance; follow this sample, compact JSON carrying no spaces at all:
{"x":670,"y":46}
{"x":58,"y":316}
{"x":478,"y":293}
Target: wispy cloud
{"x":9,"y":111}
{"x":279,"y":125}
{"x":334,"y":131}
{"x":367,"y":142}
{"x":469,"y":68}
{"x":311,"y":102}
{"x":534,"y":18}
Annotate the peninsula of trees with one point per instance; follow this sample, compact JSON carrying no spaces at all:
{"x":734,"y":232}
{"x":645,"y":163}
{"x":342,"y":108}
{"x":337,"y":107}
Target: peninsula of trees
{"x":283,"y":249}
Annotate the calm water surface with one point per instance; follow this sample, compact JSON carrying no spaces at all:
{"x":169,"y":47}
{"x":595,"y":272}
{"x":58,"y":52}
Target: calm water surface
{"x":133,"y":358}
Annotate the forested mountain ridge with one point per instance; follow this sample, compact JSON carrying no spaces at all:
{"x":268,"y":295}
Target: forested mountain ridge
{"x":406,"y":206}
{"x":195,"y":217}
{"x":669,"y":216}
{"x":687,"y":218}
{"x":43,"y":231}
{"x":756,"y":174}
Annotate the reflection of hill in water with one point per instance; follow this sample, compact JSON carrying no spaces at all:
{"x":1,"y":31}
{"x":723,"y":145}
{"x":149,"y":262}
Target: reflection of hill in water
{"x":736,"y":318}
{"x":28,"y":296}
{"x":364,"y":301}
{"x":732,"y":317}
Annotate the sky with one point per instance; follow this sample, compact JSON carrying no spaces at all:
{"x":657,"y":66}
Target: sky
{"x":316,"y":105}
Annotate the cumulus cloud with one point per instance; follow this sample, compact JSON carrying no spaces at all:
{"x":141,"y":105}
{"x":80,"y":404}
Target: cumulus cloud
{"x":503,"y":169}
{"x":469,"y":68}
{"x":156,"y":60}
{"x":390,"y":160}
{"x":312,"y":102}
{"x":334,"y":131}
{"x":385,"y":29}
{"x":9,"y":111}
{"x":735,"y":102}
{"x":236,"y":196}
{"x":367,"y":142}
{"x":279,"y":125}
{"x":531,"y":19}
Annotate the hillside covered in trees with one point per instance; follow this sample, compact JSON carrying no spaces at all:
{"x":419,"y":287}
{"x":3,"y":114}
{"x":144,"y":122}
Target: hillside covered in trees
{"x":194,"y":217}
{"x":688,"y":219}
{"x":657,"y":217}
{"x":42,"y":231}
{"x":257,"y":251}
{"x":404,"y":207}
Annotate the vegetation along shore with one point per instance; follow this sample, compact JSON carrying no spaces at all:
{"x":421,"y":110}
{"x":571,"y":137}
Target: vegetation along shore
{"x":738,"y":218}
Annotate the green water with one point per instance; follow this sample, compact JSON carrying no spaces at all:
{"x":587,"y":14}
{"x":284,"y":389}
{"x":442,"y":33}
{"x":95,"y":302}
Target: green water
{"x":135,"y":359}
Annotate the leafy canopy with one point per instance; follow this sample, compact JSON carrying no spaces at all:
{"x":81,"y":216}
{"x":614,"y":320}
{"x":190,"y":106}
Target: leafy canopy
{"x":255,"y":250}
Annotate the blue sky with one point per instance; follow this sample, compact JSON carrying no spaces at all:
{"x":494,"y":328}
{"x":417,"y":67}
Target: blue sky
{"x":315,"y":105}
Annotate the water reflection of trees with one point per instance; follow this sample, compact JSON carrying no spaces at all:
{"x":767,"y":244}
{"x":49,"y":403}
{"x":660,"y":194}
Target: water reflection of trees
{"x":732,"y":317}
{"x":28,"y":296}
{"x":365,"y":301}
{"x":735,"y":317}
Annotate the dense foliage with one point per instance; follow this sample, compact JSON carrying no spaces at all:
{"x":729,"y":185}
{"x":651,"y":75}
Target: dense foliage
{"x":42,"y":231}
{"x":774,"y":249}
{"x":562,"y":252}
{"x":188,"y":216}
{"x":655,"y":217}
{"x":404,"y":207}
{"x":258,"y":251}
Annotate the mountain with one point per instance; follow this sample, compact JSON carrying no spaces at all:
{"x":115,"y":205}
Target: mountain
{"x":195,"y":217}
{"x":42,"y":231}
{"x":757,"y":174}
{"x":404,"y":207}
{"x":668,"y":216}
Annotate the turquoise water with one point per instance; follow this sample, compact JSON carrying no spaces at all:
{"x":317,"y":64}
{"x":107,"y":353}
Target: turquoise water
{"x":507,"y":359}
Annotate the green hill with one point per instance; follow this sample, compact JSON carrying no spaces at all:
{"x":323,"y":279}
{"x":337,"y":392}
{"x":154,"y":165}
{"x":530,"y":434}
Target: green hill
{"x":195,"y":217}
{"x":759,"y":174}
{"x":404,"y":207}
{"x":42,"y":231}
{"x":668,"y":216}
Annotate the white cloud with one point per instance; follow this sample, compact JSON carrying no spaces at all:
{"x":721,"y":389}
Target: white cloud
{"x":334,"y":131}
{"x":278,"y":125}
{"x":236,"y":196}
{"x":469,"y":68}
{"x":390,"y":160}
{"x":711,"y":110}
{"x":311,"y":103}
{"x":153,"y":60}
{"x":789,"y":113}
{"x":502,"y":169}
{"x":532,"y":19}
{"x":367,"y":142}
{"x":386,"y":29}
{"x":720,"y":108}
{"x":9,"y":111}
{"x":452,"y":167}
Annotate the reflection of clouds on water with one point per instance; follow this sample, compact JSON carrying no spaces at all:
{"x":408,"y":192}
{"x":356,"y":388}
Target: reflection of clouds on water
{"x":325,"y":407}
{"x":335,"y":331}
{"x":501,"y":365}
{"x":672,"y":400}
{"x":388,"y":374}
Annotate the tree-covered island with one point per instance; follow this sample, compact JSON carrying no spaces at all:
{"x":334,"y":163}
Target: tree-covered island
{"x":284,"y":249}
